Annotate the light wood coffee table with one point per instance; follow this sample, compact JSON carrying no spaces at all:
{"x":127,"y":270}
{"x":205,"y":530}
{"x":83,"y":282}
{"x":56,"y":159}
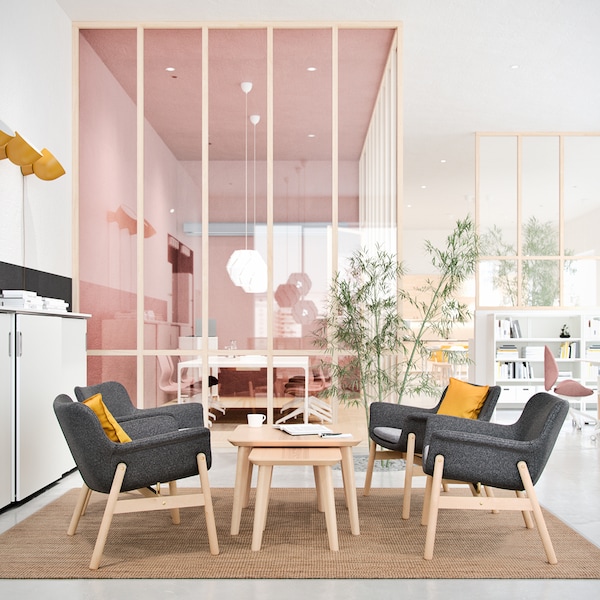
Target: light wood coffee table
{"x":246,"y":438}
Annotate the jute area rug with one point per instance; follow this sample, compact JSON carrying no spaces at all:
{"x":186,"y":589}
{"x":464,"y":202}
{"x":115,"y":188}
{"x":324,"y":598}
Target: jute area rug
{"x":469,"y":544}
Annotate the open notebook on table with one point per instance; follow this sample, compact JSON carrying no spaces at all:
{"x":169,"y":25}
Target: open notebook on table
{"x":304,"y":429}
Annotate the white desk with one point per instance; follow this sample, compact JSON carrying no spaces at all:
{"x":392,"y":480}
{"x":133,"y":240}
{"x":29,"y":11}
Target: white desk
{"x":248,"y":361}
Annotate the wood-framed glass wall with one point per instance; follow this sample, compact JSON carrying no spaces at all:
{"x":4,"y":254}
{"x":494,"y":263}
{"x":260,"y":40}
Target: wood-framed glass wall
{"x":538,"y":204}
{"x":172,"y":145}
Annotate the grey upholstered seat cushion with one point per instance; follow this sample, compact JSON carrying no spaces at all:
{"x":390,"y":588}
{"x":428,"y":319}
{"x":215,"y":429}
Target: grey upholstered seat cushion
{"x":390,"y":434}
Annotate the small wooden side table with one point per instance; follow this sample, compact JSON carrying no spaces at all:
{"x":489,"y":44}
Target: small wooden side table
{"x":321,"y":459}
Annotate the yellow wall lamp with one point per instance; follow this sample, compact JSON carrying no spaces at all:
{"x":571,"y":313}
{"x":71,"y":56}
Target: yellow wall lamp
{"x":20,"y":152}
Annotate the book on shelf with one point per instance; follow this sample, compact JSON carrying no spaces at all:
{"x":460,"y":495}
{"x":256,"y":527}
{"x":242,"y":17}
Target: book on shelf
{"x":593,"y":352}
{"x":515,"y":329}
{"x":533,"y":352}
{"x":503,"y":329}
{"x":506,"y":352}
{"x":569,"y":350}
{"x":515,"y":370}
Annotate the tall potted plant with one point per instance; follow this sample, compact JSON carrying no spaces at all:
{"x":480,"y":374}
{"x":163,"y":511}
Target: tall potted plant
{"x":378,"y":354}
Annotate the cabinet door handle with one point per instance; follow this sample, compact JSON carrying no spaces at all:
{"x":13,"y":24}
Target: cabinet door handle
{"x":19,"y":340}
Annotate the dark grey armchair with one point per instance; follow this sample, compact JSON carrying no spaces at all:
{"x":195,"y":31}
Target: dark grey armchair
{"x":159,"y":452}
{"x":118,"y":402}
{"x":509,"y":457}
{"x":400,"y":429}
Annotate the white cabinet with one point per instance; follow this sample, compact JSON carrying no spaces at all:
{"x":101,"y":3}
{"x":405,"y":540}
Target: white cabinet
{"x":46,"y":357}
{"x":510,"y":349}
{"x":6,"y":410}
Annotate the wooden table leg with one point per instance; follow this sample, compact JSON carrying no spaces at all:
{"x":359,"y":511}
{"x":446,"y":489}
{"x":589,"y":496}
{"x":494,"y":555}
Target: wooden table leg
{"x":350,"y":488}
{"x":240,"y":490}
{"x":261,"y":505}
{"x":328,"y":500}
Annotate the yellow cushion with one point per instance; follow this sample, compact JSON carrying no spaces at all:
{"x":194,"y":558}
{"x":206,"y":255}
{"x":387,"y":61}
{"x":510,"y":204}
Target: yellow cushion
{"x":112,"y":429}
{"x":463,"y":399}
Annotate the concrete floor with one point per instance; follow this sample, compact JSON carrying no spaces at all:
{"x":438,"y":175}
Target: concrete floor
{"x":569,"y":487}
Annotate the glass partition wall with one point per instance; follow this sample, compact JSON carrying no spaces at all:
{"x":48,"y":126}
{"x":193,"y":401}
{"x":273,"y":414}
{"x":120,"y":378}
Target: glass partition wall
{"x":538,"y":205}
{"x":241,"y":154}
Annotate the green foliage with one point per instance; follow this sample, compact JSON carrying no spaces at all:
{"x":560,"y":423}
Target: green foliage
{"x":539,"y":278}
{"x":380,"y":354}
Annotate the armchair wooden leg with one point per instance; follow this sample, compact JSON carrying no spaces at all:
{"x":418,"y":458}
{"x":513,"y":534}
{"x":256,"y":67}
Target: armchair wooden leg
{"x":87,"y":501}
{"x":525,"y":513}
{"x":211,"y":527}
{"x":408,"y":475}
{"x":537,"y":512}
{"x":82,"y":501}
{"x":425,"y":513}
{"x":175,"y":516}
{"x":434,"y":497}
{"x":109,"y":511}
{"x":370,"y":465}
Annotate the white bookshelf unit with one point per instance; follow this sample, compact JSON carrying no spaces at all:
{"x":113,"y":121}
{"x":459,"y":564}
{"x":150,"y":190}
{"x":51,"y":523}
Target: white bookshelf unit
{"x":509,"y":351}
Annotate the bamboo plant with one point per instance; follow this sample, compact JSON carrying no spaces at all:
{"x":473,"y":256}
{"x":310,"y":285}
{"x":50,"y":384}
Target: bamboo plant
{"x":377,"y":354}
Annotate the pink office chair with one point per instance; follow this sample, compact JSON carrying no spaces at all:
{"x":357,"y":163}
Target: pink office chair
{"x":569,"y":388}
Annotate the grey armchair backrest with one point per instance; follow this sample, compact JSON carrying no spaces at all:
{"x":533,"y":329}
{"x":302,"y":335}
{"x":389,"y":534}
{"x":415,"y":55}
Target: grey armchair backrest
{"x":117,"y":400}
{"x":413,"y":419}
{"x":158,"y":457}
{"x":114,"y":395}
{"x":488,"y":453}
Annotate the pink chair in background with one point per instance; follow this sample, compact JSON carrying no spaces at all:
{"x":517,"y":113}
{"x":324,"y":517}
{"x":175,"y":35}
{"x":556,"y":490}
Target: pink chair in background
{"x":568,"y":388}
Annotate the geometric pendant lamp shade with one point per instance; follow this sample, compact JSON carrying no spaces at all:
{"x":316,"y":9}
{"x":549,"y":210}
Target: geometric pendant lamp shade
{"x":248,"y":270}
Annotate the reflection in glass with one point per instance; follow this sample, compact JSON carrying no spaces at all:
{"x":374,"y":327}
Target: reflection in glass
{"x":237,"y":178}
{"x":539,"y":196}
{"x":581,"y":194}
{"x":302,"y":179}
{"x":581,"y":280}
{"x":107,"y":199}
{"x":498,"y":283}
{"x":172,"y":184}
{"x":498,"y":195}
{"x":540,"y":283}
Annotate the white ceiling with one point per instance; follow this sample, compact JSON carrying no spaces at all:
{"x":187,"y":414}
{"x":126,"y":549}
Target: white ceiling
{"x":458,"y":76}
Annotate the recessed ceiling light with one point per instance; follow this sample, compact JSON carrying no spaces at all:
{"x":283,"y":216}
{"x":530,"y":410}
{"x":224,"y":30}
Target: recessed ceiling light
{"x":409,"y":206}
{"x":170,"y":69}
{"x":443,"y":160}
{"x":311,"y":135}
{"x":172,"y":211}
{"x":311,"y":69}
{"x":423,"y":187}
{"x":514,"y":66}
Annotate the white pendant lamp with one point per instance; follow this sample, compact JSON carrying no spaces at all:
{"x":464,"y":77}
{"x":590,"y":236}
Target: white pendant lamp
{"x":246,"y":268}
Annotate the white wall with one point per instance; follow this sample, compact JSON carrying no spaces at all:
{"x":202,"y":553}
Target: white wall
{"x":35,"y":100}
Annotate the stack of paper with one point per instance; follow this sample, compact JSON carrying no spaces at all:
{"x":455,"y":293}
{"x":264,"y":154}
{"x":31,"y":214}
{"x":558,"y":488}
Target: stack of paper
{"x":22,"y":299}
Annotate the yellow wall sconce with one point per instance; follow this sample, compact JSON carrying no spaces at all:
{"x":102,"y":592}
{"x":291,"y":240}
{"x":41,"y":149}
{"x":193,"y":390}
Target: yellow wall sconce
{"x":46,"y":167}
{"x":5,"y":136}
{"x":21,"y":153}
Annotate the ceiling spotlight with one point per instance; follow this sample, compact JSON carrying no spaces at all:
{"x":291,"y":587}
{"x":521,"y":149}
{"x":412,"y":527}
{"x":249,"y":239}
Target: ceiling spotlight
{"x":311,"y":69}
{"x":443,"y":160}
{"x":423,"y":187}
{"x":311,"y":135}
{"x":170,"y":69}
{"x":514,"y":66}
